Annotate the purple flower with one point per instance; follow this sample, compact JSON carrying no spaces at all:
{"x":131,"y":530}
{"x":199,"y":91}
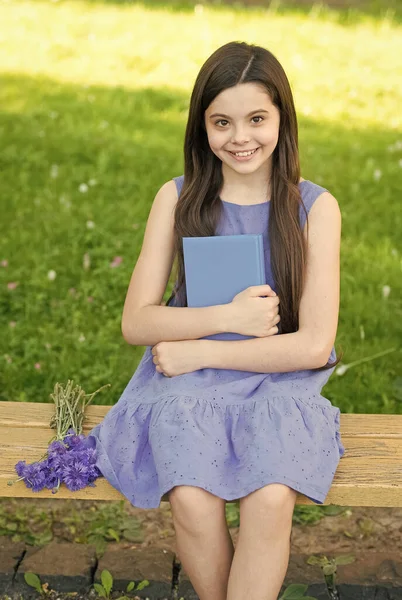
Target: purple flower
{"x":75,"y":472}
{"x":21,"y":468}
{"x":72,"y":440}
{"x":57,"y":448}
{"x":72,"y":461}
{"x":35,"y":476}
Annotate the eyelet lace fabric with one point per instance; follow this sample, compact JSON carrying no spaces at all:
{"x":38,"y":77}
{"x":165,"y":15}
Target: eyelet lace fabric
{"x":227,"y":431}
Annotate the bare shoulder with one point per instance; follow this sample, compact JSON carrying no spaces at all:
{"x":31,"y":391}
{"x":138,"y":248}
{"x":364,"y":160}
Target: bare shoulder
{"x":325,"y":205}
{"x":168,"y":192}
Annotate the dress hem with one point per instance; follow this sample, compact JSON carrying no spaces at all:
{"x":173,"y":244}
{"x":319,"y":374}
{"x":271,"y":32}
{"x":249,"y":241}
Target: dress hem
{"x":316,"y":496}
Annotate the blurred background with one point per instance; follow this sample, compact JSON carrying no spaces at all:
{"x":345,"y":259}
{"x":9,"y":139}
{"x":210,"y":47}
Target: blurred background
{"x":94,"y":99}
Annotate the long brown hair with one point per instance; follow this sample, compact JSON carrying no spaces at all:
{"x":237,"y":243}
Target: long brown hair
{"x":198,"y":209}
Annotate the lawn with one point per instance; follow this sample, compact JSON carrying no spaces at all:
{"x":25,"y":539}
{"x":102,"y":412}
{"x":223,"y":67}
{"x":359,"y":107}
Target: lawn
{"x":94,"y":99}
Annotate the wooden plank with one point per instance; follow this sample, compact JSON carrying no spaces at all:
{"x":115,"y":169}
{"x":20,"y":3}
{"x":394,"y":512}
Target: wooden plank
{"x":370,"y":473}
{"x":38,"y":414}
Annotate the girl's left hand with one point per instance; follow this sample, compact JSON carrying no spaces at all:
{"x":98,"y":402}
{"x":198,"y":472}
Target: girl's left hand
{"x":178,"y":357}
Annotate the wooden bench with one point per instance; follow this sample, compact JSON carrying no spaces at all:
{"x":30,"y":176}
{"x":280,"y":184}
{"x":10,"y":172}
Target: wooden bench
{"x":369,"y":474}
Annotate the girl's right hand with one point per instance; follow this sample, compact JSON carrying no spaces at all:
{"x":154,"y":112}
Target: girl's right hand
{"x":255,"y":316}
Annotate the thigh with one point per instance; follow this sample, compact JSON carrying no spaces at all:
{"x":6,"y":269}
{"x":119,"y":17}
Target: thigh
{"x":268,"y":510}
{"x":195,"y":508}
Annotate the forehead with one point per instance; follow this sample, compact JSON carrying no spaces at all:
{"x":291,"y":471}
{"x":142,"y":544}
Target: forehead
{"x":241,"y":99}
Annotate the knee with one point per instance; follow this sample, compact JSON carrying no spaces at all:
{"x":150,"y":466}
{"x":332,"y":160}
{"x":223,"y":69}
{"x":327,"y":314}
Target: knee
{"x":275,"y":499}
{"x":278,"y":497}
{"x":193,"y":508}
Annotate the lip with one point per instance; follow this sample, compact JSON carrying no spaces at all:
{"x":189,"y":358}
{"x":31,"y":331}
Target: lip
{"x":244,"y":158}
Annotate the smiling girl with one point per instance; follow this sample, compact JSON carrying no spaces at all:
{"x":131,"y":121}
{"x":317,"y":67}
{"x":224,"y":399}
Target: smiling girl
{"x":210,"y":421}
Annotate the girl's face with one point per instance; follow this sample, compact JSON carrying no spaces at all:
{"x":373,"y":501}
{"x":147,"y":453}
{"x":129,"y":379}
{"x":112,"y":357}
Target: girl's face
{"x":241,"y":119}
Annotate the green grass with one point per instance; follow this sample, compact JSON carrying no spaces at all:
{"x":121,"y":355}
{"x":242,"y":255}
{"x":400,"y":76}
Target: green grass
{"x":97,"y":93}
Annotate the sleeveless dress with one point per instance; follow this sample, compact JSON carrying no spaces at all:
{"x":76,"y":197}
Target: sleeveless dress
{"x":224,"y":430}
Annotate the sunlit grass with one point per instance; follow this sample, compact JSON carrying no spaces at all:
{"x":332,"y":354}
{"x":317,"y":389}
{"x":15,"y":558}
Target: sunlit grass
{"x":94,"y":99}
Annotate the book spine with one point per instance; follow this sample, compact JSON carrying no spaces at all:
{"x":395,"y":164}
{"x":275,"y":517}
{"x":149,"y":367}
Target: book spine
{"x":262,"y":261}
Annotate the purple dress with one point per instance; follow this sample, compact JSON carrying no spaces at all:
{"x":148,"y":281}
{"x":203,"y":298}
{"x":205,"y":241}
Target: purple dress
{"x":227,"y":431}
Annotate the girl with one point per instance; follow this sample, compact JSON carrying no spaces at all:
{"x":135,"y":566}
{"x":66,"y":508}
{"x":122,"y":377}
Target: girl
{"x":208,"y":421}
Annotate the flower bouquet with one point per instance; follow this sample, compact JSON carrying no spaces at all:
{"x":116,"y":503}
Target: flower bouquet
{"x":69,"y":459}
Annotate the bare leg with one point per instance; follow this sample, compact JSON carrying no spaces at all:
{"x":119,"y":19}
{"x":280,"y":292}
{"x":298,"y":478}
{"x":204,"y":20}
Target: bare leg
{"x":203,"y":541}
{"x":262,"y":551}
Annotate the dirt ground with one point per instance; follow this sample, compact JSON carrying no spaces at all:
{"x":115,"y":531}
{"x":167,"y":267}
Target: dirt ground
{"x":353,"y":529}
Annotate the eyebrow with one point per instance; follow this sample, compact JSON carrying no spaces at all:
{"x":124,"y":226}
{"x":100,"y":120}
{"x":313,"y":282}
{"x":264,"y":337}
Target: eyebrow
{"x":249,"y":114}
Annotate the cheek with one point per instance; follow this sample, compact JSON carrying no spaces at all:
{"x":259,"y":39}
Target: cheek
{"x":268,"y":137}
{"x":216,"y":140}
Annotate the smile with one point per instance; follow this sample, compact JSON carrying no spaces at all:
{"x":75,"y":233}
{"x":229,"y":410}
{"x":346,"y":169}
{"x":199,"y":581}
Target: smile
{"x":243,"y":155}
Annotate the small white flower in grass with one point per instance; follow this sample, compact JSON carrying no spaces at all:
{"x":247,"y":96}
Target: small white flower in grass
{"x":341,"y":369}
{"x":362,"y":334}
{"x":54,"y":171}
{"x":394,"y":252}
{"x":377,"y":174}
{"x":51,"y":275}
{"x":83,"y":188}
{"x":48,"y":346}
{"x":92,"y":182}
{"x":90,"y":224}
{"x":86,"y":261}
{"x":4,"y":263}
{"x":64,"y":202}
{"x":12,"y":323}
{"x":81,"y":338}
{"x":386,"y":291}
{"x":37,"y":366}
{"x":12,"y":285}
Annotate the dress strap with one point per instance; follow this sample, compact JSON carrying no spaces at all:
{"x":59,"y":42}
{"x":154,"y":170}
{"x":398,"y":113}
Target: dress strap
{"x":179,"y":183}
{"x":309,"y":193}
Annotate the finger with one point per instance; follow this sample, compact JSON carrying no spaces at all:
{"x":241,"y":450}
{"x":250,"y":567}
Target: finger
{"x":260,"y":290}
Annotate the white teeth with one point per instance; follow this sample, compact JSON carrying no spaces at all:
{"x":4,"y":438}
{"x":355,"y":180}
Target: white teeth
{"x":244,"y":153}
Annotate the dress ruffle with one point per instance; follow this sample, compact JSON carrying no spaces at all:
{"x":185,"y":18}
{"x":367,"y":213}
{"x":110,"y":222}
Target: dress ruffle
{"x":146,"y":448}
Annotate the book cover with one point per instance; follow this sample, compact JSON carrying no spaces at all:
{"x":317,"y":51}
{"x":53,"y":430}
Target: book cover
{"x":219,"y":267}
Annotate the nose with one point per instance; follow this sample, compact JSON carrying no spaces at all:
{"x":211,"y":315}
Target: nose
{"x":240,"y":136}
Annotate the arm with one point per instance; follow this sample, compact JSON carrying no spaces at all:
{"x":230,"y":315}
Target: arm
{"x":153,"y":324}
{"x":311,"y":345}
{"x":145,"y":321}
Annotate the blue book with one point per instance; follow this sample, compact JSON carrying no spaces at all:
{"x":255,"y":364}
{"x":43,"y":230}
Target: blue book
{"x":219,"y":267}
